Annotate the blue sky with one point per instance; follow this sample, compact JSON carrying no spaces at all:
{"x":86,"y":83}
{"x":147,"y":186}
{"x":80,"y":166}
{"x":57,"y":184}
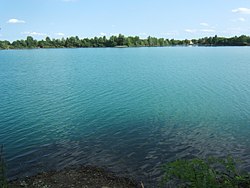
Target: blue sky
{"x":178,"y":19}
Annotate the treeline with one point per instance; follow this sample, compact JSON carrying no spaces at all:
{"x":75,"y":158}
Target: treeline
{"x":122,"y":41}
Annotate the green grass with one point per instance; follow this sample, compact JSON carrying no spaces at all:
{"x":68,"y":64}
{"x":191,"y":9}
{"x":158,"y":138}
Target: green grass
{"x":210,"y":173}
{"x":3,"y":178}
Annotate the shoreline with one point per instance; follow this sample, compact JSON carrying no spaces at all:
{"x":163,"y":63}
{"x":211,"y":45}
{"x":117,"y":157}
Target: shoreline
{"x":173,"y":46}
{"x":81,"y":176}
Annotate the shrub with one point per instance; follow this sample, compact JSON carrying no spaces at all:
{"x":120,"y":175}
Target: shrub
{"x":210,"y":173}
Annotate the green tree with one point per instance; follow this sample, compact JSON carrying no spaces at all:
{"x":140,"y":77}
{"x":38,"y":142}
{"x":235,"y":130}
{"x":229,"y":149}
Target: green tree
{"x":112,"y":41}
{"x":120,"y":40}
{"x":215,"y":40}
{"x":31,"y":43}
{"x":5,"y":44}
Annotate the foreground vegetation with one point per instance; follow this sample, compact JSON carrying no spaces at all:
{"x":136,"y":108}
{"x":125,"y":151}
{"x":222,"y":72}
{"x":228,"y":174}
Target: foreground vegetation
{"x":210,"y":173}
{"x":121,"y":40}
{"x":193,"y":173}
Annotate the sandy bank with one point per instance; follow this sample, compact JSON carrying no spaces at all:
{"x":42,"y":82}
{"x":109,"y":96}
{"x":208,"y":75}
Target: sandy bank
{"x":84,"y":177}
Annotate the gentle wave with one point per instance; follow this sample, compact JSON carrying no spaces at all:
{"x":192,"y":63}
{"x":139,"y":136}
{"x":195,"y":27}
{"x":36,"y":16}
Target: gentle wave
{"x":128,"y":110}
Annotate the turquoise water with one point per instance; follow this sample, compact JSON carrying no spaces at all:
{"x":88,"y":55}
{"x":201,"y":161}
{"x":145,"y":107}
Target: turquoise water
{"x":128,"y":110}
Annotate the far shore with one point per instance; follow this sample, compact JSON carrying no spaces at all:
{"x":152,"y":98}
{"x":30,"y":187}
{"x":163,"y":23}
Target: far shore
{"x":122,"y":41}
{"x":182,"y":46}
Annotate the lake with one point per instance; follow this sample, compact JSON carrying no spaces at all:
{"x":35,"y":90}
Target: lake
{"x":129,"y":110}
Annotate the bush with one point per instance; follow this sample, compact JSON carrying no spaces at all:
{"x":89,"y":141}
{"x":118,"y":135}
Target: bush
{"x":210,"y":173}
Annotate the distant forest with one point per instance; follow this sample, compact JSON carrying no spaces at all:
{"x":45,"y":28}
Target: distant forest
{"x":122,"y":41}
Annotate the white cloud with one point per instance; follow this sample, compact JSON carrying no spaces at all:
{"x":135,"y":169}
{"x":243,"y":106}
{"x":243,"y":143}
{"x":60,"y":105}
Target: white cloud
{"x":59,"y":34}
{"x":103,"y":34}
{"x":33,"y":33}
{"x":204,"y":24}
{"x":242,"y":19}
{"x":241,"y":10}
{"x":191,"y":30}
{"x":208,"y":30}
{"x":15,"y":21}
{"x":239,"y":20}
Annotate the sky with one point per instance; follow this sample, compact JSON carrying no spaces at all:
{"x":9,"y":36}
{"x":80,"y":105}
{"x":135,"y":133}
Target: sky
{"x":179,"y":19}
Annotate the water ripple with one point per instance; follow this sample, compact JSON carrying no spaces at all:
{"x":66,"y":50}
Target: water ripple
{"x":128,"y":110}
